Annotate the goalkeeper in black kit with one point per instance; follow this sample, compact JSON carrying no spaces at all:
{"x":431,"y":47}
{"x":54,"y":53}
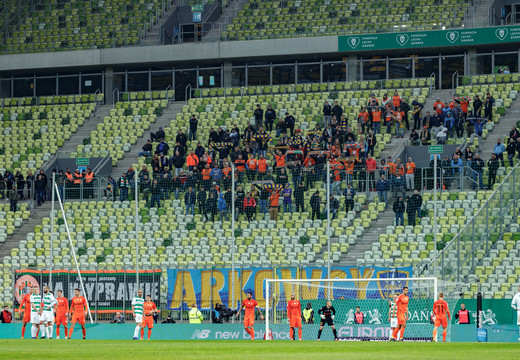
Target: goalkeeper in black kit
{"x":327,"y":317}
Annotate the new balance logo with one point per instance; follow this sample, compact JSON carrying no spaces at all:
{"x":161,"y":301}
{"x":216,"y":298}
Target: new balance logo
{"x":200,"y":334}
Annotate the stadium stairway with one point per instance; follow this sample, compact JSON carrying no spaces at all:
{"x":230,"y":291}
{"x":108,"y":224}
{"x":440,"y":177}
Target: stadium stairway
{"x":479,"y":13}
{"x":364,"y":243}
{"x":164,"y":121}
{"x":86,"y":129}
{"x":152,"y":36}
{"x":501,"y":129}
{"x":225,"y":19}
{"x":36,"y":217}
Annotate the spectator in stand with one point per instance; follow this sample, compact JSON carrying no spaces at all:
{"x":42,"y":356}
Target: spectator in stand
{"x":488,"y":107}
{"x":449,"y":123}
{"x":39,"y":188}
{"x":371,"y":142}
{"x":337,"y":111}
{"x":410,"y":210}
{"x":371,"y":166}
{"x":398,"y":209}
{"x":405,"y":108}
{"x":438,"y":106}
{"x":201,"y":200}
{"x":147,"y":149}
{"x":194,"y":123}
{"x":158,"y":136}
{"x":182,"y":139}
{"x":280,"y":127}
{"x":192,"y":161}
{"x":417,"y":107}
{"x":327,"y":113}
{"x":249,"y":206}
{"x":259,"y":115}
{"x":299,"y":193}
{"x":334,"y":206}
{"x":359,"y":317}
{"x":425,"y":136}
{"x":123,"y":187}
{"x":315,"y":203}
{"x":442,"y":135}
{"x":14,"y":197}
{"x":382,"y":188}
{"x":514,"y":133}
{"x":511,"y":150}
{"x":463,"y":315}
{"x":417,"y":201}
{"x":414,"y":138}
{"x":270,"y":116}
{"x":287,"y":199}
{"x":410,"y":174}
{"x":376,"y":120}
{"x":162,"y":147}
{"x":177,"y":162}
{"x":118,"y":319}
{"x":289,"y":122}
{"x":427,"y":120}
{"x":349,"y":194}
{"x":239,"y":201}
{"x":156,"y":194}
{"x":493,"y":166}
{"x":6,"y":317}
{"x":222,"y":207}
{"x":189,"y":201}
{"x":436,"y":125}
{"x":274,"y":201}
{"x":211,"y":207}
{"x":499,"y":150}
{"x":262,"y":166}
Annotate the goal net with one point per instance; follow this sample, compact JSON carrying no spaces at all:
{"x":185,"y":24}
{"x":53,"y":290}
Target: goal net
{"x":372,"y":296}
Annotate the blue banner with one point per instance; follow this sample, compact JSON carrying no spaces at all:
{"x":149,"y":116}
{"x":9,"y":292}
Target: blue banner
{"x":206,"y":287}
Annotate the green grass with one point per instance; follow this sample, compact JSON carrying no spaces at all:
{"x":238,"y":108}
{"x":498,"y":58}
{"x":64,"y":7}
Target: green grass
{"x":247,"y":350}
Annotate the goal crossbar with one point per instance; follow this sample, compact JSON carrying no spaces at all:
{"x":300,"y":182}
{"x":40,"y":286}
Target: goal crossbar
{"x":358,"y":280}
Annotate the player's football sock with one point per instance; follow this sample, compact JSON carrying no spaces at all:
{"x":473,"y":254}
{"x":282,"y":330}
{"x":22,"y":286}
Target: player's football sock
{"x":434,"y":334}
{"x":136,"y":332}
{"x":142,"y":333}
{"x":319,"y":334}
{"x":291,"y":333}
{"x":23,"y":330}
{"x":71,"y":330}
{"x":84,"y":331}
{"x":394,"y":335}
{"x":149,"y":333}
{"x":335,"y":332}
{"x":58,"y":332}
{"x":48,"y":332}
{"x":300,"y":333}
{"x":402,"y":334}
{"x":65,"y":332}
{"x":444,"y":333}
{"x":51,"y":330}
{"x":34,"y":332}
{"x":42,"y":330}
{"x":252,"y":333}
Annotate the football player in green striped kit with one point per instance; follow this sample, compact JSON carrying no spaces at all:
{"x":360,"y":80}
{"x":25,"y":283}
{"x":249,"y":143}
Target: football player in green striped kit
{"x":137,"y":308}
{"x":48,"y":311}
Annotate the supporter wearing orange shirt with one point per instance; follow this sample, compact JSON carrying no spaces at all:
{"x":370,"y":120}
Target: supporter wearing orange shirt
{"x":410,"y":177}
{"x":396,"y":100}
{"x":262,"y":167}
{"x":437,"y":106}
{"x":192,"y":161}
{"x":206,"y":178}
{"x":275,"y":201}
{"x":251,"y":166}
{"x":376,"y":120}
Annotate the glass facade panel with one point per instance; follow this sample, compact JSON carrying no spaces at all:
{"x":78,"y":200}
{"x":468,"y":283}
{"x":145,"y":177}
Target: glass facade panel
{"x":284,"y":74}
{"x":374,"y":69}
{"x":46,"y":86}
{"x":506,"y":61}
{"x":90,"y":83}
{"x":138,"y":82}
{"x":258,"y":75}
{"x":162,"y":79}
{"x":23,"y":87}
{"x":333,"y":72}
{"x":308,"y":73}
{"x":399,"y":69}
{"x":68,"y":85}
{"x":210,"y":77}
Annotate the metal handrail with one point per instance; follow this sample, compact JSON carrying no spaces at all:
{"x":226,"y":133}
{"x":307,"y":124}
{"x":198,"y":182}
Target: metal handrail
{"x":168,"y":99}
{"x":114,"y":97}
{"x":187,"y":93}
{"x":454,"y":77}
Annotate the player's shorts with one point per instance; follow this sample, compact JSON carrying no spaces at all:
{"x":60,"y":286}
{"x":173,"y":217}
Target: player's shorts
{"x":401,"y":319}
{"x":27,"y":316}
{"x":35,"y":318}
{"x":47,"y":316}
{"x":78,"y":319}
{"x":249,"y":321}
{"x":328,"y":321}
{"x":393,"y":322}
{"x":138,"y":318}
{"x":61,"y":319}
{"x":518,"y":318}
{"x":148,"y":322}
{"x":441,"y":321}
{"x":295,"y":322}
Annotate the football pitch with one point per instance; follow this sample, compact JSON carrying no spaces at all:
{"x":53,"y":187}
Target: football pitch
{"x":246,"y":350}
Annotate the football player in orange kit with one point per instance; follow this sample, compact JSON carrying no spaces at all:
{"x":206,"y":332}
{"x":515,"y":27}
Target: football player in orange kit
{"x":149,"y":310}
{"x":250,"y":304}
{"x":294,"y":315}
{"x":78,"y":309}
{"x":62,"y":312}
{"x":25,"y":306}
{"x":402,"y":314}
{"x":440,"y":310}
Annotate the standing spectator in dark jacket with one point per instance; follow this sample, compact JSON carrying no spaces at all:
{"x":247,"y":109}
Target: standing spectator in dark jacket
{"x":425,"y":136}
{"x":20,"y":183}
{"x":270,"y":116}
{"x":337,"y":111}
{"x":327,"y":113}
{"x":30,"y":179}
{"x":177,"y":161}
{"x":162,"y":147}
{"x":488,"y":106}
{"x":315,"y":203}
{"x":158,"y":136}
{"x":299,"y":192}
{"x":189,"y":201}
{"x":289,"y":122}
{"x":211,"y":207}
{"x":201,"y":199}
{"x":399,"y":208}
{"x":259,"y":115}
{"x":511,"y":150}
{"x":417,"y":202}
{"x":514,"y":133}
{"x":147,"y":149}
{"x":199,"y":150}
{"x":493,"y":166}
{"x":156,"y":194}
{"x":13,"y":196}
{"x":382,"y":188}
{"x":334,"y":206}
{"x":410,"y":210}
{"x":239,"y":202}
{"x":349,"y":194}
{"x":182,"y":139}
{"x":194,"y":123}
{"x":499,"y":150}
{"x":39,"y":188}
{"x":263,"y":198}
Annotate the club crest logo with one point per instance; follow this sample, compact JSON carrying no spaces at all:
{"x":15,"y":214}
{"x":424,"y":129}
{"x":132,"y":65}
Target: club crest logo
{"x":452,"y":36}
{"x":374,"y":317}
{"x":402,"y":39}
{"x":353,"y":42}
{"x":501,"y":33}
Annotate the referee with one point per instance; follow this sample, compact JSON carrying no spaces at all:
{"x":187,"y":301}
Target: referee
{"x":327,"y":317}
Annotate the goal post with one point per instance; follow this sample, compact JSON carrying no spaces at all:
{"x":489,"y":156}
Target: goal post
{"x":372,"y":295}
